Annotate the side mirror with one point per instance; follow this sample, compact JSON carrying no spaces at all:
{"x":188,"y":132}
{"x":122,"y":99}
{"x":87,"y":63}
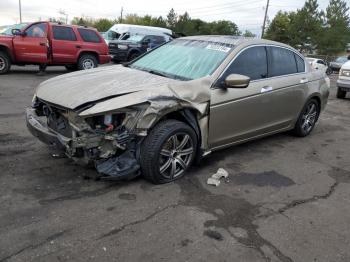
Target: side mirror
{"x":17,"y":31}
{"x":237,"y":81}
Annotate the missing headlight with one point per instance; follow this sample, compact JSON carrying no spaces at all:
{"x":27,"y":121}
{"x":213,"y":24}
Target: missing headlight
{"x":106,"y":123}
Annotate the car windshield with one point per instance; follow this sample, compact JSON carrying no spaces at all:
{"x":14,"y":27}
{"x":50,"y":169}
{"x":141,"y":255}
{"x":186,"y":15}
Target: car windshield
{"x":8,"y":31}
{"x":184,"y":59}
{"x":341,"y":59}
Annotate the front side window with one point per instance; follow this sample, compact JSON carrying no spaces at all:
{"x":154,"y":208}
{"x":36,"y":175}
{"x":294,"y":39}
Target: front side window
{"x":89,"y":35}
{"x":251,"y":62}
{"x":63,"y":33}
{"x":37,"y":30}
{"x":184,"y":59}
{"x":281,"y":62}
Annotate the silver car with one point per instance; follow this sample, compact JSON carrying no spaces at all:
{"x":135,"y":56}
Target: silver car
{"x":157,"y":114}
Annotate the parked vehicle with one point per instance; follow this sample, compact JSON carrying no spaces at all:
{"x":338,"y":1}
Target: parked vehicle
{"x":343,"y":83}
{"x":319,"y":64}
{"x":136,"y":45}
{"x":337,"y":64}
{"x":53,"y":44}
{"x":124,"y":31}
{"x":177,"y":103}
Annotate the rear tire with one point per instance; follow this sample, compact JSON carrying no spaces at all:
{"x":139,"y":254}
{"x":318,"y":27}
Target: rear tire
{"x":341,"y":93}
{"x":307,"y":119}
{"x":168,"y":151}
{"x":87,"y":62}
{"x":5,"y":63}
{"x":133,"y":56}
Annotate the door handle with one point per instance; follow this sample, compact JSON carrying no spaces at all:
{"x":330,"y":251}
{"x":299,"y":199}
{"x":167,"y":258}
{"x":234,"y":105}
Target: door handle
{"x":266,"y":89}
{"x":78,"y":46}
{"x":42,"y":44}
{"x":304,"y":80}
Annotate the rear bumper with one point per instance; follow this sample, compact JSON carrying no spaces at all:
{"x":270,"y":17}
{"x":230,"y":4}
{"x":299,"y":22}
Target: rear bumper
{"x":104,"y":59}
{"x":343,"y":84}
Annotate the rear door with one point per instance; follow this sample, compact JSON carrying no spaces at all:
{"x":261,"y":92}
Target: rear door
{"x":289,"y":81}
{"x":65,"y":46}
{"x":33,"y":46}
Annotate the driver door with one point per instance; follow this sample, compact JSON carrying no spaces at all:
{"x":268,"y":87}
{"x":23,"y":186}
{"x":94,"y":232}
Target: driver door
{"x":32,"y":46}
{"x":238,"y":114}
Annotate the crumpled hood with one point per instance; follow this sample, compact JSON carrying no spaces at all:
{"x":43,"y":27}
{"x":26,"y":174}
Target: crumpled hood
{"x":75,"y":89}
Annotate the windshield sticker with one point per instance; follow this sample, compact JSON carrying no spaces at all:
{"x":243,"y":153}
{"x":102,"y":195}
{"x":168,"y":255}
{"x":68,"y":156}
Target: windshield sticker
{"x":220,"y":48}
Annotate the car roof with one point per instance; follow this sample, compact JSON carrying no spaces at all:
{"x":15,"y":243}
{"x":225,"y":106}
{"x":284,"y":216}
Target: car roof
{"x":233,"y":40}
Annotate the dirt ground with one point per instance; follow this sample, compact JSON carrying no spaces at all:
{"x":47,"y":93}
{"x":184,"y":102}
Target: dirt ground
{"x":286,"y":199}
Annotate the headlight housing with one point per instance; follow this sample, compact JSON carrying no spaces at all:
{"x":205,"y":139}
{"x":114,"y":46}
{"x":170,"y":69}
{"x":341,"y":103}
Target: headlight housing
{"x":344,"y":72}
{"x":107,"y":122}
{"x":123,"y":47}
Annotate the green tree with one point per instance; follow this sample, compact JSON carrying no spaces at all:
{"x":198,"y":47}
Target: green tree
{"x":336,"y":33}
{"x":171,"y":19}
{"x":279,"y":28}
{"x":103,"y":24}
{"x":248,"y":33}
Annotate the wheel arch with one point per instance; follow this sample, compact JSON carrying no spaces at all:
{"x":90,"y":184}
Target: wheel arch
{"x":89,"y":52}
{"x":189,"y":116}
{"x":6,"y":50}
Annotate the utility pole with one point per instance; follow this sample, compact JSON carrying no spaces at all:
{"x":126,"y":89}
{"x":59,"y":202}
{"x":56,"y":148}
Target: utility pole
{"x":20,"y":12}
{"x":121,"y":15}
{"x":63,"y":12}
{"x":265,"y":18}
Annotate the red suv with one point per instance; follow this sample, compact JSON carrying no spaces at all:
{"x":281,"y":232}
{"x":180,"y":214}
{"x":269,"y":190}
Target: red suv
{"x":45,"y":43}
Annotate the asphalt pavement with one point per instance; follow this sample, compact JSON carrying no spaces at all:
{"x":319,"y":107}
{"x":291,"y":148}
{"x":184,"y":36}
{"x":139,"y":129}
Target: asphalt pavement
{"x":286,"y":198}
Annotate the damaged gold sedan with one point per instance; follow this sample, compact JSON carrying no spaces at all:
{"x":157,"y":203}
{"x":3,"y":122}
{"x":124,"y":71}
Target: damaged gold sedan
{"x":172,"y":106}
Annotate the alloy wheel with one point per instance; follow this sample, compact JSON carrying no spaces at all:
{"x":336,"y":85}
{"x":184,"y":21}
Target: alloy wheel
{"x":309,"y":118}
{"x":2,"y":63}
{"x":176,"y":155}
{"x":88,"y":64}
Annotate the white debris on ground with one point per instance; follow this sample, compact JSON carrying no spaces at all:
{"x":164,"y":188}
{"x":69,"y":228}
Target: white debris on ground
{"x":215,"y":179}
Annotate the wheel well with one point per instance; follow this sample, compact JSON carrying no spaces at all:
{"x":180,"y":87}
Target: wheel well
{"x":6,"y":51}
{"x":187,"y":116}
{"x":89,"y":53}
{"x":318,"y":101}
{"x":133,"y":51}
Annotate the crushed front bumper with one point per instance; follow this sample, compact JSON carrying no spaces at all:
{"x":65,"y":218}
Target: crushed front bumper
{"x":39,"y":129}
{"x":122,"y":167}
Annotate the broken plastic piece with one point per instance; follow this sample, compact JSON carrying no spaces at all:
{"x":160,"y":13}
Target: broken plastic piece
{"x":124,"y":166}
{"x":215,"y":179}
{"x":220,"y":173}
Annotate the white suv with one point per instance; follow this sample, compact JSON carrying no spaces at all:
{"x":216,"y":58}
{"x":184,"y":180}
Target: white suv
{"x":343,"y":82}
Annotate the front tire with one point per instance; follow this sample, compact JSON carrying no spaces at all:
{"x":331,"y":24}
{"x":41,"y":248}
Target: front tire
{"x":307,"y":118}
{"x":87,"y":62}
{"x":168,"y":151}
{"x":341,"y":93}
{"x":5,"y":63}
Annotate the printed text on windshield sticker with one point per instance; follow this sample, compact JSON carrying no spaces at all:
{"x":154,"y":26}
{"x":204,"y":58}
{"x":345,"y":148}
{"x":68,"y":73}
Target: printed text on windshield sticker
{"x":220,"y":48}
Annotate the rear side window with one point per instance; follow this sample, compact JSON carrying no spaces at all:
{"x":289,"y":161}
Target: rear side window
{"x":300,"y":63}
{"x":251,"y":62}
{"x":281,"y":62}
{"x":63,"y":33}
{"x":89,"y":35}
